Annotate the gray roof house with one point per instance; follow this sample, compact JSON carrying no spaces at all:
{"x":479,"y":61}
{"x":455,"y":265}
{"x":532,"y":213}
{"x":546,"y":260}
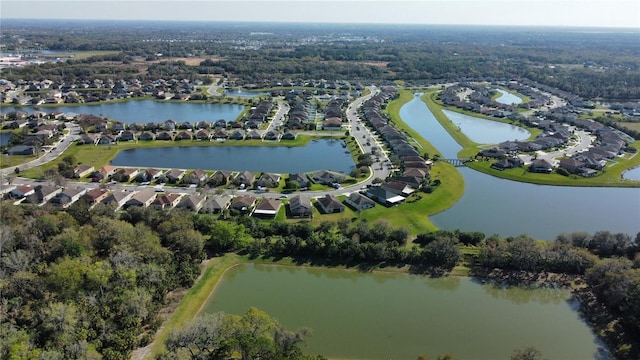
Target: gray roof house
{"x":300,"y":207}
{"x":330,"y":204}
{"x":216,"y":204}
{"x":359,"y":202}
{"x":68,"y":196}
{"x":384,"y":196}
{"x":267,"y":208}
{"x":142,"y":198}
{"x":193,"y":202}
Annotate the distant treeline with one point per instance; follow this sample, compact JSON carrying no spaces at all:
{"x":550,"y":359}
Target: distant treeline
{"x":589,"y":64}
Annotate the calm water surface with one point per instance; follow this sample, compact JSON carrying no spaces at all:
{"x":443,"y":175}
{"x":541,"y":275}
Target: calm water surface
{"x":4,"y":138}
{"x":399,"y":316}
{"x":509,"y":208}
{"x":145,"y":111}
{"x":632,"y":174}
{"x":484,"y":131}
{"x":244,"y":93}
{"x":508,"y":98}
{"x":323,"y":154}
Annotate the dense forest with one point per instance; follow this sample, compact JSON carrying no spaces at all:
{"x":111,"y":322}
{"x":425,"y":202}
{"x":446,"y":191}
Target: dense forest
{"x":83,"y":284}
{"x":593,"y":65}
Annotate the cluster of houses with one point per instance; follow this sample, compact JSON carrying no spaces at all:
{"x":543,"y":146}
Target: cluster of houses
{"x":37,"y":131}
{"x":93,"y":90}
{"x":609,"y":144}
{"x":478,"y":98}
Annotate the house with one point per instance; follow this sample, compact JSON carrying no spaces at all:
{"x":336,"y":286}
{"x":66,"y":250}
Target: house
{"x":21,"y":150}
{"x":125,"y":174}
{"x":300,"y":207}
{"x":142,"y":198}
{"x":244,"y":179}
{"x":267,"y":208}
{"x":243,"y":203}
{"x":149,"y":174}
{"x":203,"y":134}
{"x":493,"y":153}
{"x":268,"y":180}
{"x":359,"y":202}
{"x":300,"y":178}
{"x":289,"y":135}
{"x":216,"y":204}
{"x":21,"y":191}
{"x":399,"y":188}
{"x":253,"y":135}
{"x":175,"y":175}
{"x":43,"y":193}
{"x":166,"y":201}
{"x":272,"y":135}
{"x":508,"y":163}
{"x":332,"y":123}
{"x":163,"y":135}
{"x":327,"y":177}
{"x":127,"y":135}
{"x":330,"y":204}
{"x":571,"y":165}
{"x":118,"y":198}
{"x":68,"y":196}
{"x":146,"y":136}
{"x":95,"y":196}
{"x":541,"y":166}
{"x":103,"y":173}
{"x":196,"y":177}
{"x":237,"y":135}
{"x":221,"y":135}
{"x":384,"y":196}
{"x":193,"y":202}
{"x":86,"y":139}
{"x":82,"y":170}
{"x":183,"y":135}
{"x":220,"y":177}
{"x":106,"y":139}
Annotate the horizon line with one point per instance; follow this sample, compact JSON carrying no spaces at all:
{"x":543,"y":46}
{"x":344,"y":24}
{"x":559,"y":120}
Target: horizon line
{"x":325,"y":23}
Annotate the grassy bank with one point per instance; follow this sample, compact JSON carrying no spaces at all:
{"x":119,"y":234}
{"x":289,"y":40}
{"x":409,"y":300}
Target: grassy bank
{"x":193,"y":300}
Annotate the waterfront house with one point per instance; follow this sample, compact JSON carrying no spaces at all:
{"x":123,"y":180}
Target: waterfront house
{"x":164,"y":135}
{"x":244,"y":179}
{"x":220,"y":177}
{"x":300,"y":178}
{"x":333,"y":123}
{"x":193,"y":202}
{"x":330,"y":204}
{"x":237,"y":135}
{"x":147,"y":136}
{"x":103,"y":173}
{"x":268,"y":180}
{"x":175,"y":175}
{"x":300,"y":206}
{"x":398,"y":188}
{"x":327,"y":177}
{"x":272,"y":135}
{"x":106,"y":139}
{"x":126,"y":135}
{"x":88,"y":139}
{"x":221,"y":135}
{"x":197,"y":177}
{"x":384,"y":196}
{"x":359,"y":202}
{"x":183,"y":135}
{"x":289,"y":135}
{"x":203,"y":134}
{"x":253,"y":135}
{"x":267,"y":208}
{"x":541,"y":166}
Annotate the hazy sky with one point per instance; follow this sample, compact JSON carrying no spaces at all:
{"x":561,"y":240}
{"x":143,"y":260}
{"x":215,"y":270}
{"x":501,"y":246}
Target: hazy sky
{"x":596,"y":13}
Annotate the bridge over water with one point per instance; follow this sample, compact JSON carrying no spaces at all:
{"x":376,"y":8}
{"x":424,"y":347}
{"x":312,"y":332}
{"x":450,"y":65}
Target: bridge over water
{"x":456,"y":162}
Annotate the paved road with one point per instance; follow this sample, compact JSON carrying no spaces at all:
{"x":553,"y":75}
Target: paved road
{"x":213,"y":89}
{"x":56,"y":150}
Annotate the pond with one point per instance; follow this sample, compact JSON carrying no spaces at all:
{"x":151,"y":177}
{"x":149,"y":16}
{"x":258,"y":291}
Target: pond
{"x":244,"y":93}
{"x":508,"y":98}
{"x":399,"y":316}
{"x":509,"y":208}
{"x":145,"y":111}
{"x":632,"y":174}
{"x":321,"y":154}
{"x":484,"y":131}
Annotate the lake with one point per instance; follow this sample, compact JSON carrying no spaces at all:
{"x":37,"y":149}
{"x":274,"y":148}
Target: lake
{"x":484,"y":131}
{"x":385,"y":316}
{"x":321,"y":154}
{"x":508,"y":98}
{"x":244,"y":93}
{"x":145,"y":111}
{"x":632,"y":174}
{"x":509,"y":208}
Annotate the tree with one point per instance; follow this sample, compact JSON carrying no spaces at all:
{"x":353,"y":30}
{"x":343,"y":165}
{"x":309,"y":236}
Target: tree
{"x":529,"y":353}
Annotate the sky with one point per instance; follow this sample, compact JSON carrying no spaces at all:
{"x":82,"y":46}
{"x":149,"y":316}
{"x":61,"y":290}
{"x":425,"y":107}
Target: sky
{"x":581,"y":13}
